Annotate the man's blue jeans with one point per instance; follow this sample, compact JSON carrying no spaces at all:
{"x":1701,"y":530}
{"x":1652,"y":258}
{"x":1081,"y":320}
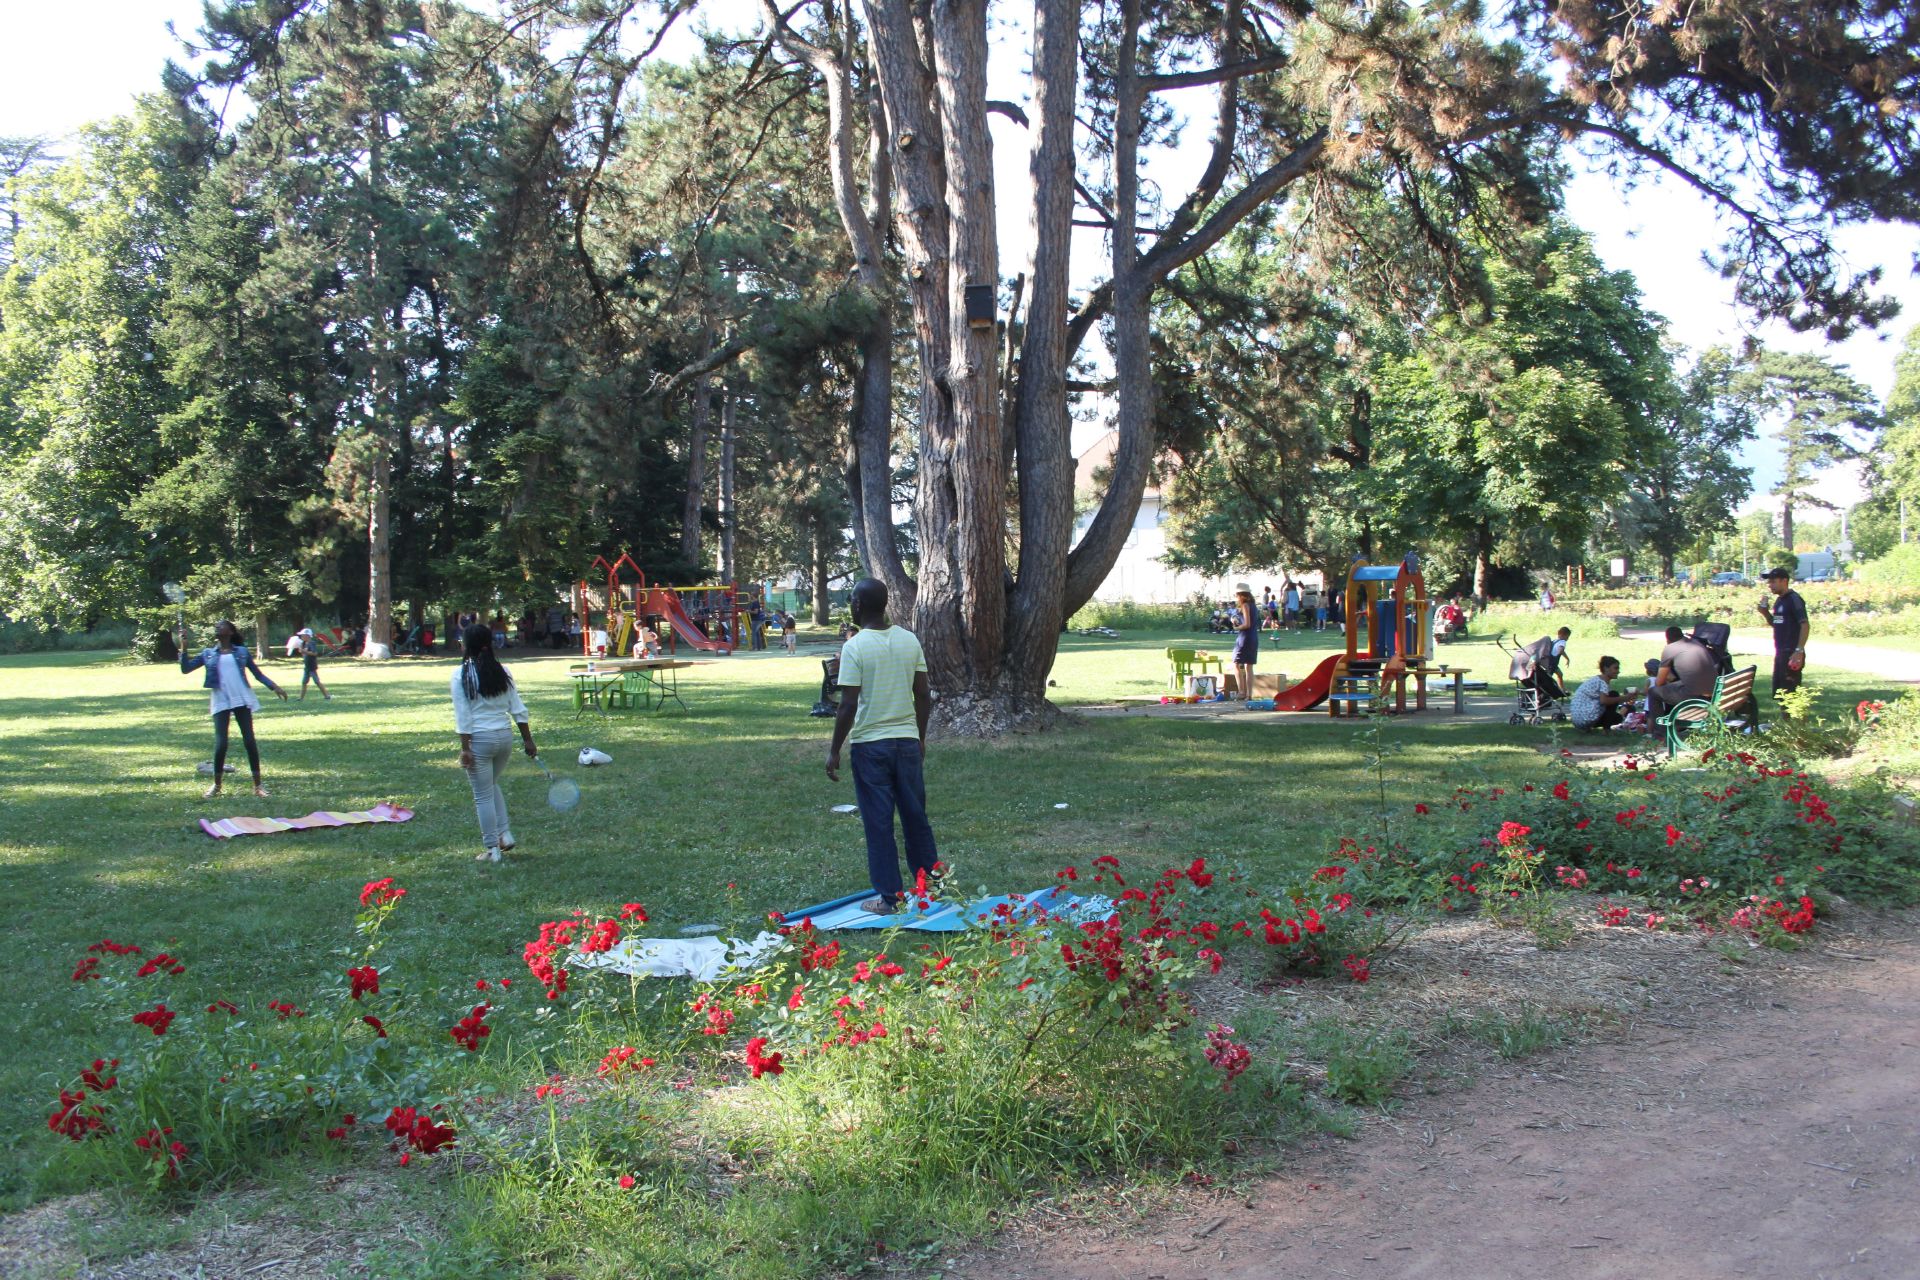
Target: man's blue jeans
{"x":886,"y":777}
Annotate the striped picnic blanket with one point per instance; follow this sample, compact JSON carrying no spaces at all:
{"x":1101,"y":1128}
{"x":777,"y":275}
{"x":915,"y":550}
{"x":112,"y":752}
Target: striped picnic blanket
{"x":225,"y":828}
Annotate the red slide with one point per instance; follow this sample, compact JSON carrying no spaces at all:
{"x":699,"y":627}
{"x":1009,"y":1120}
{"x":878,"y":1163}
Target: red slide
{"x":683,"y":625}
{"x":1309,"y":693}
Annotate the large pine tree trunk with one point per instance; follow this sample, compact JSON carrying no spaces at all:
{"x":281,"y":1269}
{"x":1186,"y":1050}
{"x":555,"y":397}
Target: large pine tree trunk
{"x":1042,"y":428}
{"x":728,"y":517}
{"x":696,"y":460}
{"x":1482,"y":564}
{"x":1786,"y":522}
{"x":822,"y":566}
{"x":991,"y":637}
{"x":382,"y":396}
{"x":379,"y":556}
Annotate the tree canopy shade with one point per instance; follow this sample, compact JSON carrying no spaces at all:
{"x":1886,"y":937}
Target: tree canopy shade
{"x":1317,"y":424}
{"x":1333,"y":100}
{"x":471,"y":297}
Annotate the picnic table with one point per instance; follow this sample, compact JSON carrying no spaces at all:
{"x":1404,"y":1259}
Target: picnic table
{"x":648,"y":683}
{"x":1459,"y":684}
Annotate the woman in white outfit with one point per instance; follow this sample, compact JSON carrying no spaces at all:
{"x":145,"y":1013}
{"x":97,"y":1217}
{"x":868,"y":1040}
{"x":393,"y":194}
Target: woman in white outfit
{"x":486,"y":707}
{"x":227,"y":662}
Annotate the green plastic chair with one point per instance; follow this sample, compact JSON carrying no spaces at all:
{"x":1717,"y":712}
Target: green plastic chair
{"x":1183,"y":661}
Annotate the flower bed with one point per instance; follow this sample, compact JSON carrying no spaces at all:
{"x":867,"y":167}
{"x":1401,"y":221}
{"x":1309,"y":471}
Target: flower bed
{"x":1728,"y":842}
{"x":855,"y":1088}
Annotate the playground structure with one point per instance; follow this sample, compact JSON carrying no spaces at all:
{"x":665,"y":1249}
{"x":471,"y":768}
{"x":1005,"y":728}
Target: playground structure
{"x":1389,"y":638}
{"x":681,"y":615}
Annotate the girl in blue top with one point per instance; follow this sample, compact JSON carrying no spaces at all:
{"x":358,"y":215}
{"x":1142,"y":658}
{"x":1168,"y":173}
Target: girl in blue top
{"x":227,"y":663}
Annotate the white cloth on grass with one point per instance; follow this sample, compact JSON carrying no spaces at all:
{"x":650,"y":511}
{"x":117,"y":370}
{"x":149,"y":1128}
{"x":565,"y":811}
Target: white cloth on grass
{"x":702,"y":958}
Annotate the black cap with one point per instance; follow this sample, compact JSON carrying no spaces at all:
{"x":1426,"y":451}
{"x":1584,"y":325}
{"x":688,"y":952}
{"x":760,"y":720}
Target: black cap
{"x":1778,"y":573}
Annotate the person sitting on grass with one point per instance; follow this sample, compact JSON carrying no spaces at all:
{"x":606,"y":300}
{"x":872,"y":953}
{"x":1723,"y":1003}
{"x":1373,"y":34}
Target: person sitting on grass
{"x":1595,"y":704}
{"x":884,"y":705}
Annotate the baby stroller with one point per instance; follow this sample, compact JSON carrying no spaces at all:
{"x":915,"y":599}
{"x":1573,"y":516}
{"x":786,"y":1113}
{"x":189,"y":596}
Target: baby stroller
{"x":1536,"y":694}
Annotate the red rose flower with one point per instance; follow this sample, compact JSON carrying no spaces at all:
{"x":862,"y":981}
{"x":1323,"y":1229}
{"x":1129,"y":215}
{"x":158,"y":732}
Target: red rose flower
{"x":472,"y":1029}
{"x":759,"y":1061}
{"x":365,"y":980}
{"x":602,"y":937}
{"x":156,"y":1019}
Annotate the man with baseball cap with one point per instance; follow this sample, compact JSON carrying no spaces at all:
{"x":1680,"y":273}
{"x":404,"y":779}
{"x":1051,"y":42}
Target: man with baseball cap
{"x":1787,"y":614}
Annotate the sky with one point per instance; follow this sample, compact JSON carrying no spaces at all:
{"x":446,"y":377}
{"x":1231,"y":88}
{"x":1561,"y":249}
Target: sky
{"x":1658,"y":231}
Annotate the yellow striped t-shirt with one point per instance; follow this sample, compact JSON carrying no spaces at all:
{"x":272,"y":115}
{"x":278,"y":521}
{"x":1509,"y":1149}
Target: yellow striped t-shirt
{"x":882,"y":664}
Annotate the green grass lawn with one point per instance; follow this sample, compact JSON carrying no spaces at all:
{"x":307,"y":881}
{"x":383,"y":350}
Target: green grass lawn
{"x":99,"y":802}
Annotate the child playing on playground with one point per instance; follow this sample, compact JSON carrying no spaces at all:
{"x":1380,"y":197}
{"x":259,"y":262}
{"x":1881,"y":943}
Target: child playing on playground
{"x":884,"y":704}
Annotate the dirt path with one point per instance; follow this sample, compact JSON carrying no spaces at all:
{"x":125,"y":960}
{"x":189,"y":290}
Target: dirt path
{"x":1772,"y":1136}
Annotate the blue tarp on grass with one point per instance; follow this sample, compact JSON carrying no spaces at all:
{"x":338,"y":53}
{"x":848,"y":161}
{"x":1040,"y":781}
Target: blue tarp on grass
{"x":953,"y":917}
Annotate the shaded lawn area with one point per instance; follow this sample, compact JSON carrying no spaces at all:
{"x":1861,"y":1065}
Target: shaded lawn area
{"x":100,"y":802}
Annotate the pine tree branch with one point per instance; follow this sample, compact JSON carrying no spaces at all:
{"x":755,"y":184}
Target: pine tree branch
{"x":1215,"y":75}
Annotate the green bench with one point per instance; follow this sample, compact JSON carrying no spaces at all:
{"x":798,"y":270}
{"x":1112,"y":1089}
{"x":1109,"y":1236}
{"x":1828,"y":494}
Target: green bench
{"x":1730,"y":708}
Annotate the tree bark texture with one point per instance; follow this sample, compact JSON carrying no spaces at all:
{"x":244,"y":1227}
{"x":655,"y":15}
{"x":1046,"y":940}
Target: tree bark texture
{"x":822,"y":562}
{"x":728,"y":516}
{"x":991,"y":635}
{"x":698,"y":411}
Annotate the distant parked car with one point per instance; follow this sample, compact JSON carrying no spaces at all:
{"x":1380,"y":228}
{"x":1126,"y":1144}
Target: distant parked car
{"x":1729,"y":579}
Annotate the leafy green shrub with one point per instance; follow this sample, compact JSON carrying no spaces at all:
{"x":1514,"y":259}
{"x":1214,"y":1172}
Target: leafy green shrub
{"x":1838,"y":608}
{"x":1900,"y":567}
{"x":845,"y":1089}
{"x":1902,"y":621}
{"x":1128,"y":615}
{"x":209,"y":1082}
{"x":28,"y":637}
{"x":1801,"y":734}
{"x":1363,"y":1067}
{"x":1531,"y":624}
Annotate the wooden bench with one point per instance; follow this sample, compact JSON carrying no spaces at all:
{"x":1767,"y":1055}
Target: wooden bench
{"x":1725,"y":711}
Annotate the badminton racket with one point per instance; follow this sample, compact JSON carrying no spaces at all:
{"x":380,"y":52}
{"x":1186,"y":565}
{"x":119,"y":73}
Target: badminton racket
{"x":563,"y":794}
